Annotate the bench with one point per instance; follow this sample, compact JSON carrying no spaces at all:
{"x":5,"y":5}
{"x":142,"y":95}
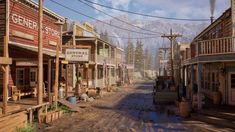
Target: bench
{"x":23,"y":91}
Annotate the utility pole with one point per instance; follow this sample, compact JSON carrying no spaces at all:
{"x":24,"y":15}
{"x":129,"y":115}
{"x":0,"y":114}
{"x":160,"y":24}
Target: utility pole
{"x":172,"y":37}
{"x":40,"y":57}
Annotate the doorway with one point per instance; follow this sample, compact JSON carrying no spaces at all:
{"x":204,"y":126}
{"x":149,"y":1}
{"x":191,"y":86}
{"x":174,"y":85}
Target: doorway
{"x":231,"y":88}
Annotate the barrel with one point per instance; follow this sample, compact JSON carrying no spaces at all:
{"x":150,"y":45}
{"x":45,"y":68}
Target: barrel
{"x":216,"y":98}
{"x":184,"y":109}
{"x":91,"y":92}
{"x":72,"y":99}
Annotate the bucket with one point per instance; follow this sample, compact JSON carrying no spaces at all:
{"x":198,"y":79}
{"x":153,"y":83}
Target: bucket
{"x":184,"y":109}
{"x":72,"y":99}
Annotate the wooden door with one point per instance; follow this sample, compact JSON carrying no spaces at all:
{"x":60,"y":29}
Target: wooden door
{"x":231,"y":88}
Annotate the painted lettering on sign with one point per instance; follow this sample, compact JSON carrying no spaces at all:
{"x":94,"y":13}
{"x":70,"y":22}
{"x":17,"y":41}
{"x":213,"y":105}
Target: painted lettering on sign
{"x":77,"y":54}
{"x":23,"y":21}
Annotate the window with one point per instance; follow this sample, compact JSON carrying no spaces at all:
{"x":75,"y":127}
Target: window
{"x":19,"y":76}
{"x":100,"y":73}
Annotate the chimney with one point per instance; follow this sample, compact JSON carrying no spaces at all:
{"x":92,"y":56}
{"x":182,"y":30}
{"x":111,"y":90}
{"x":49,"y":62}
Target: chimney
{"x":212,"y":19}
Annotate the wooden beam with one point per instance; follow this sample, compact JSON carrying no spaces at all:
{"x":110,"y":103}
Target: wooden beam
{"x":5,"y":60}
{"x":76,"y":46}
{"x":49,"y":81}
{"x":85,"y":39}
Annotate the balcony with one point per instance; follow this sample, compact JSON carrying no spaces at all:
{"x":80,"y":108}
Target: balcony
{"x":215,"y":46}
{"x":108,"y":60}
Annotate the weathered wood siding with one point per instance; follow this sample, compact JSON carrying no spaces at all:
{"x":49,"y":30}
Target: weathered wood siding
{"x":2,"y":34}
{"x":24,"y":26}
{"x":222,"y":27}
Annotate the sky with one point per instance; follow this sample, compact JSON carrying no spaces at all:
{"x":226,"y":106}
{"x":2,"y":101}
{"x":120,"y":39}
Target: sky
{"x":193,"y":9}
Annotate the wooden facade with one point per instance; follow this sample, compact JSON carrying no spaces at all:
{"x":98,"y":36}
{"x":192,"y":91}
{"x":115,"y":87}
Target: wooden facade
{"x":210,"y":60}
{"x":23,"y":49}
{"x":105,"y":60}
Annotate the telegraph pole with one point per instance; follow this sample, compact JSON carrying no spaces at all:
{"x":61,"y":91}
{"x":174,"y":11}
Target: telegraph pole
{"x":40,"y":57}
{"x":171,"y":37}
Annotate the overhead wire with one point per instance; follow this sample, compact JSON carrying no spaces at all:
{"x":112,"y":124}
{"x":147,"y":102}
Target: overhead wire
{"x":146,"y":15}
{"x":118,"y":18}
{"x":118,"y":27}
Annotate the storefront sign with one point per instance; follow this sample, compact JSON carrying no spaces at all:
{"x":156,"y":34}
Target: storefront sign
{"x":26,"y":63}
{"x":77,"y":54}
{"x":28,"y":23}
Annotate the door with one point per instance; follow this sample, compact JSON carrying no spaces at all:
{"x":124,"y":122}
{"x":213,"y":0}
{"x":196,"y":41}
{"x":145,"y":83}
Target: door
{"x":33,"y":77}
{"x":231,"y":90}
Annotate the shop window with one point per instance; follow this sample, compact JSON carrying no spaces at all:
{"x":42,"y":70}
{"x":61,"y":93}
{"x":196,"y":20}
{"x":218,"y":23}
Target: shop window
{"x":113,"y":72}
{"x":20,"y":76}
{"x":100,"y":73}
{"x":213,"y":81}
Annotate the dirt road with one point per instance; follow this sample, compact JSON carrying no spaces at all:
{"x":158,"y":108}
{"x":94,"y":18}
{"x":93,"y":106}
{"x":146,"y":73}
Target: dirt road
{"x":129,"y":109}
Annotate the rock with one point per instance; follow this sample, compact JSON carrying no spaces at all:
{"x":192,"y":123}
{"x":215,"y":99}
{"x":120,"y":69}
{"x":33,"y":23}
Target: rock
{"x":91,"y":99}
{"x":84,"y":97}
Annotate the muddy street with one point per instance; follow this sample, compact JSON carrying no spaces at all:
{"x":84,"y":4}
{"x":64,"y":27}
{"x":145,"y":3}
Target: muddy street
{"x":129,"y":109}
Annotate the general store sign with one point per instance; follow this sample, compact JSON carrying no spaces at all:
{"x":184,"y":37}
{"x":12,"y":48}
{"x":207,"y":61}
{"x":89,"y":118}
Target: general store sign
{"x":77,"y":54}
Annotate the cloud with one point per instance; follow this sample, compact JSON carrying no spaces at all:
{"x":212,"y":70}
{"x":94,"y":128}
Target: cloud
{"x":192,"y":9}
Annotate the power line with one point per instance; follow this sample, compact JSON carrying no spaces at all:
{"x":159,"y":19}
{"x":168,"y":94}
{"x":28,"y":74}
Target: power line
{"x":118,"y":18}
{"x":133,"y":37}
{"x":75,"y":11}
{"x":146,"y":15}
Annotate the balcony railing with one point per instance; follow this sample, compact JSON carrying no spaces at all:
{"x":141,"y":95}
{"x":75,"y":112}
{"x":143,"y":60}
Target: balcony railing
{"x":216,"y":46}
{"x":109,"y":60}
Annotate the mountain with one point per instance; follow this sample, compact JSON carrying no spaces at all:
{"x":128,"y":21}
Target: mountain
{"x":188,"y":30}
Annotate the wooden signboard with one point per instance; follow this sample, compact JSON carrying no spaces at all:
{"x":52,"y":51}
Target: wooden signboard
{"x":24,"y":26}
{"x":77,"y":55}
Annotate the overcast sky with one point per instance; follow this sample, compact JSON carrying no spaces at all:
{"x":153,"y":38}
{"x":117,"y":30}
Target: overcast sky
{"x":195,"y":9}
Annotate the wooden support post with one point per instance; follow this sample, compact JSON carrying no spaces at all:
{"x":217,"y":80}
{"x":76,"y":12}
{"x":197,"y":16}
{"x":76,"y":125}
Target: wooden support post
{"x":30,"y":116}
{"x":40,"y":58}
{"x":96,"y":69}
{"x":199,"y":78}
{"x":49,"y":81}
{"x":104,"y":68}
{"x":67,"y":85}
{"x":192,"y":80}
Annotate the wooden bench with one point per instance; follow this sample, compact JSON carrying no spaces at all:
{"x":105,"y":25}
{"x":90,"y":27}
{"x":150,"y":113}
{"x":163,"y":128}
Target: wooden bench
{"x":23,"y":91}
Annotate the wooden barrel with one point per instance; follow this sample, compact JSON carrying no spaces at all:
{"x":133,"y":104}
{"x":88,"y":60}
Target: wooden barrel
{"x":184,"y":109}
{"x":92,"y":93}
{"x":216,"y":98}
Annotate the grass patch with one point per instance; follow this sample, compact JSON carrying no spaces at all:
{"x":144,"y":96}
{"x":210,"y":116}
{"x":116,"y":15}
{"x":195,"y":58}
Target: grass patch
{"x":64,"y":109}
{"x":29,"y":127}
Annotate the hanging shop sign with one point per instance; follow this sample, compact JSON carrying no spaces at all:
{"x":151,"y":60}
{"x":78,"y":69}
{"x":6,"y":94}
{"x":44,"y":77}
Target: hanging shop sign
{"x":77,"y":55}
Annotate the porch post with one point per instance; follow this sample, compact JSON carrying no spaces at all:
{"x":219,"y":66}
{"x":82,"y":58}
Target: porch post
{"x":104,"y":67}
{"x":66,"y":87}
{"x":199,"y":72}
{"x":96,"y":71}
{"x":40,"y":57}
{"x":49,"y":81}
{"x":191,"y":81}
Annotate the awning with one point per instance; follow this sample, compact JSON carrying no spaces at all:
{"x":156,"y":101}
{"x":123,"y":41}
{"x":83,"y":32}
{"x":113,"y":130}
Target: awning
{"x":48,"y":52}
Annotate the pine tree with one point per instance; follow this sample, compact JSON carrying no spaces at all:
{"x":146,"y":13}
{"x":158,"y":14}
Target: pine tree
{"x":129,"y":52}
{"x":139,"y":56}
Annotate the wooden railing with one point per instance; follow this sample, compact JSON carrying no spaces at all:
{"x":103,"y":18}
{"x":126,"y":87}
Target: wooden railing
{"x":215,"y":46}
{"x":108,"y":60}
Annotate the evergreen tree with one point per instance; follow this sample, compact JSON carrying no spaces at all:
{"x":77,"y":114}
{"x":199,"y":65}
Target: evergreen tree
{"x":139,"y":56}
{"x":129,"y":52}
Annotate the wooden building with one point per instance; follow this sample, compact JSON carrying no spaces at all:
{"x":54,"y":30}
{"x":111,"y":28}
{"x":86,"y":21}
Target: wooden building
{"x":210,"y":61}
{"x":23,"y":46}
{"x":99,"y":68}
